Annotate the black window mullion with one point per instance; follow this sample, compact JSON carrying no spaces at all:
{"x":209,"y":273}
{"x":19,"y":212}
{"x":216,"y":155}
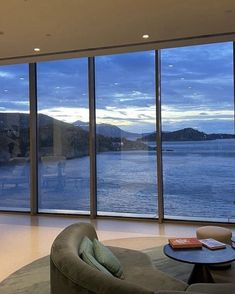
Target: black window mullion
{"x":92,"y":137}
{"x":158,"y":136}
{"x":33,"y":138}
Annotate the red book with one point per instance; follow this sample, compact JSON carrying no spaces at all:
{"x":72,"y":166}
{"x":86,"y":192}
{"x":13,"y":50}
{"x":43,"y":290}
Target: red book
{"x":181,"y":243}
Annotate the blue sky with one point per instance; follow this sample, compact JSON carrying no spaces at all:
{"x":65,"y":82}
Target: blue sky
{"x":197,"y":89}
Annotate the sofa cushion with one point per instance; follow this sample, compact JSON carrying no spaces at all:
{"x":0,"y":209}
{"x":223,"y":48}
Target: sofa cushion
{"x":104,"y":256}
{"x":218,"y":288}
{"x":89,"y":259}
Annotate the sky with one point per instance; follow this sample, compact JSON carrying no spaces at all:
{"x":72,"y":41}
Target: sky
{"x":196,"y":87}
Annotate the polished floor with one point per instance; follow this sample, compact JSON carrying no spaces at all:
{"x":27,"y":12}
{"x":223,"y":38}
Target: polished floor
{"x":24,"y":238}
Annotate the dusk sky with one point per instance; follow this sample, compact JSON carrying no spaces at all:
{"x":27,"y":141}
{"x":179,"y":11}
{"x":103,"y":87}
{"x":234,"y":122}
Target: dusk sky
{"x":197,"y":89}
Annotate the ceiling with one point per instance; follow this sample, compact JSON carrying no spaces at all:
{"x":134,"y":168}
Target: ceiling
{"x":88,"y":27}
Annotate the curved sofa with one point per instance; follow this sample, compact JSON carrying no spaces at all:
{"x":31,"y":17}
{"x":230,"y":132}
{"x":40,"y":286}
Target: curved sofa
{"x":71,"y":275}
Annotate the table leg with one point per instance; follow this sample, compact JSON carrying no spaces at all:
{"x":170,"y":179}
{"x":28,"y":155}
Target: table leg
{"x":200,"y":274}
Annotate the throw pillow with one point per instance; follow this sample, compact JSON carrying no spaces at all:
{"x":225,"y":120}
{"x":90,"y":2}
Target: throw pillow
{"x":89,"y":259}
{"x":105,"y":257}
{"x":86,"y":245}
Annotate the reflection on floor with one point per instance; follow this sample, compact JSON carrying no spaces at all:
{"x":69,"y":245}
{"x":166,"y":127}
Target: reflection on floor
{"x":24,"y":238}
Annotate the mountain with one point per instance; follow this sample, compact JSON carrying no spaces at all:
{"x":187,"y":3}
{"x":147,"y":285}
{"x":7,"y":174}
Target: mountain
{"x":187,"y":134}
{"x":57,"y":137}
{"x":108,"y":130}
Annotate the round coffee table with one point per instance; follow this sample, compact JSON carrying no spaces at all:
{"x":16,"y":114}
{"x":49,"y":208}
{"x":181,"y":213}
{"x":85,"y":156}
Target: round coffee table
{"x":201,"y":258}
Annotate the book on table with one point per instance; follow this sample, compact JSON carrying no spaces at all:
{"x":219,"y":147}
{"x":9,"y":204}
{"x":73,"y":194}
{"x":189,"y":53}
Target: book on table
{"x":212,"y":244}
{"x":184,"y":243}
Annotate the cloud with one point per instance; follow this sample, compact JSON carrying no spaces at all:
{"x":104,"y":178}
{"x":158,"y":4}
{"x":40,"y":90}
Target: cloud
{"x":126,"y":116}
{"x":197,"y":88}
{"x":67,"y":114}
{"x":203,"y":69}
{"x":210,"y":120}
{"x":20,"y":103}
{"x":7,"y":75}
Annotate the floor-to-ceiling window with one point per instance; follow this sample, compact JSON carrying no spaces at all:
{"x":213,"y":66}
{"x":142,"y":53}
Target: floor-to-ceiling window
{"x":198,"y":138}
{"x":14,"y":138}
{"x":125,"y":112}
{"x":63,"y":128}
{"x":198,"y":132}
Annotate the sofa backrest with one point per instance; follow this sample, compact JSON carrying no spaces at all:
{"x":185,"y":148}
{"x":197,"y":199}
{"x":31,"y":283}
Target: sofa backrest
{"x":71,"y":275}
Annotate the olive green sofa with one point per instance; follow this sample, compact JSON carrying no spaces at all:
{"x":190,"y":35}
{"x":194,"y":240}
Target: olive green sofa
{"x":69,"y":274}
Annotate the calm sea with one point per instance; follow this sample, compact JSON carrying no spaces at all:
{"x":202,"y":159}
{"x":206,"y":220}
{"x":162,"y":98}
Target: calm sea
{"x":199,"y":181}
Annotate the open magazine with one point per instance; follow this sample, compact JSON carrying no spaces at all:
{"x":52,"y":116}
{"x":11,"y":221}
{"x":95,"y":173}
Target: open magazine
{"x":212,"y":244}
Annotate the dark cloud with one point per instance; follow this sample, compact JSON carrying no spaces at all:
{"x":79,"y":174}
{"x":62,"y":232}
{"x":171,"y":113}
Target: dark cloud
{"x":123,"y":74}
{"x":204,"y":72}
{"x":14,"y":86}
{"x":63,"y":83}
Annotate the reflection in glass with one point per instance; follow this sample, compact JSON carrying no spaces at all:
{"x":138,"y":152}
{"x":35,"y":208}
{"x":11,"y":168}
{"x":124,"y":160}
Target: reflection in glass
{"x":125,"y":113}
{"x":63,"y":136}
{"x":14,"y":138}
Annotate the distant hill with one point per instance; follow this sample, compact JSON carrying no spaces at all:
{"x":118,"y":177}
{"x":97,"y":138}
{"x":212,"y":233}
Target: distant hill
{"x":60,"y":138}
{"x":55,"y":138}
{"x":187,"y":134}
{"x":14,"y":135}
{"x":108,"y":130}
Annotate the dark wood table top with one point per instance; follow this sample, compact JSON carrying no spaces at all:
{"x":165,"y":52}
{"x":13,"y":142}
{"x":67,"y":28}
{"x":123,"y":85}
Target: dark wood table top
{"x":201,"y":256}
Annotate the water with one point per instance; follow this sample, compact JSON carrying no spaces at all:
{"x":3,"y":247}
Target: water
{"x":199,"y":181}
{"x":127,"y":182}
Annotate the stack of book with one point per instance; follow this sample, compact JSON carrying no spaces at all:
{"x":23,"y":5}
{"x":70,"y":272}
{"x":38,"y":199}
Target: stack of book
{"x":194,"y":243}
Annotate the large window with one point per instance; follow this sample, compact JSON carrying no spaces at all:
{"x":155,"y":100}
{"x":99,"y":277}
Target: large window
{"x":197,"y":174}
{"x":125,"y":112}
{"x":198,"y":132}
{"x":14,"y":138}
{"x":63,"y":136}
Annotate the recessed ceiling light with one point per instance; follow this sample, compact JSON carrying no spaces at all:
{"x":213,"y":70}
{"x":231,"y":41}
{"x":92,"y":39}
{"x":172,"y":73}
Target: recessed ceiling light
{"x":36,"y":49}
{"x":21,"y":78}
{"x":146,"y":36}
{"x":5,"y":90}
{"x":170,"y":65}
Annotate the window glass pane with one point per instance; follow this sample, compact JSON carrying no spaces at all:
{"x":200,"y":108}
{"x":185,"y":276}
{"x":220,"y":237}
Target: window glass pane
{"x":125,"y":113}
{"x":63,"y":136}
{"x":198,"y":132}
{"x":14,"y":138}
